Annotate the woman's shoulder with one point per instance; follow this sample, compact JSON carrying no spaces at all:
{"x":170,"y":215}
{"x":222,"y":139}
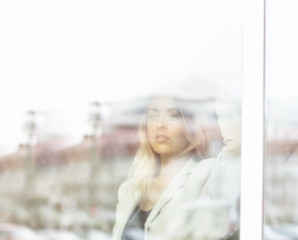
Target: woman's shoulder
{"x":126,"y":184}
{"x":128,"y":188}
{"x":203,"y":168}
{"x":205,"y":162}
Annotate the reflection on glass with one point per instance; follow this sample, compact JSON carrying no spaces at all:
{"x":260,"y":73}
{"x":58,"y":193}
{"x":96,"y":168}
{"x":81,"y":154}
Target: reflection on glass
{"x":99,"y":72}
{"x":281,"y":145}
{"x":192,"y":177}
{"x":184,"y":179}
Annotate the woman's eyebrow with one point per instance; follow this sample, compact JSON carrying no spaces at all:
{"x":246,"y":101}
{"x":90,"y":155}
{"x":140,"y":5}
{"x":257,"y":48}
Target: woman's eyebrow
{"x":152,"y":109}
{"x":172,"y":110}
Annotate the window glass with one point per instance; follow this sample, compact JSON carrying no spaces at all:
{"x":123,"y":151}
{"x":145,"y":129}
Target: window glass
{"x":280,"y":176}
{"x":125,"y":112}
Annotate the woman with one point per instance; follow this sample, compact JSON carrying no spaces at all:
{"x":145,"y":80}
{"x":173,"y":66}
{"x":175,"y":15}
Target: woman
{"x":166,"y":195}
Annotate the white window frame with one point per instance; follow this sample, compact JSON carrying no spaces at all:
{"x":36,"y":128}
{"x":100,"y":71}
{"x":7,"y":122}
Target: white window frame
{"x":251,"y":205}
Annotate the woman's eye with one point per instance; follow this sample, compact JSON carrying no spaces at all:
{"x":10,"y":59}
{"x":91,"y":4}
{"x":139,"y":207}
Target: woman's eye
{"x":175,"y":116}
{"x":152,"y":117}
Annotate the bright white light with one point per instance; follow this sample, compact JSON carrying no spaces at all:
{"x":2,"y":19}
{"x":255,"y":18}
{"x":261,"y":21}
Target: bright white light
{"x":60,"y":55}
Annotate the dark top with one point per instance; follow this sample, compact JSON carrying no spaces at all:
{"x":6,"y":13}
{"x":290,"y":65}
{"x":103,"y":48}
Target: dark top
{"x":134,"y":228}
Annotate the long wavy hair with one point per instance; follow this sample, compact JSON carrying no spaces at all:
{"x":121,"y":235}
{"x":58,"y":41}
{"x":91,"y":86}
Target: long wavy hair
{"x":146,"y":164}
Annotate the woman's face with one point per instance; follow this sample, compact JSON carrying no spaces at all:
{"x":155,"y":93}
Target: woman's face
{"x":165,"y":128}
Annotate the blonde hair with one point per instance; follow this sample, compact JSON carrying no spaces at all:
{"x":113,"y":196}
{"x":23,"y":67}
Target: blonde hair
{"x":146,"y":163}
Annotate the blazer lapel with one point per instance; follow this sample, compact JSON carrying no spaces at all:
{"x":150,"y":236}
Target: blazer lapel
{"x":174,"y":186}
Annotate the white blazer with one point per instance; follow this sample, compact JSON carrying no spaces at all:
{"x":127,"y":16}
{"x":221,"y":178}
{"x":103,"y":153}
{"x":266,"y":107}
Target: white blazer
{"x":193,"y":206}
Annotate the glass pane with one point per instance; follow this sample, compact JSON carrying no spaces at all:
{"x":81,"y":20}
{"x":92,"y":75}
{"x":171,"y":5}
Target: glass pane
{"x":125,"y":111}
{"x":281,"y":165}
{"x":252,"y":128}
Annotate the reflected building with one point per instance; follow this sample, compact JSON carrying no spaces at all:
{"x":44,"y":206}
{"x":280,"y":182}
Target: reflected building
{"x":60,"y":191}
{"x":281,"y":164}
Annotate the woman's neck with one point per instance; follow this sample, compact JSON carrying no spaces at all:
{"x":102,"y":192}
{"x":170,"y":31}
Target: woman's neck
{"x":169,"y":166}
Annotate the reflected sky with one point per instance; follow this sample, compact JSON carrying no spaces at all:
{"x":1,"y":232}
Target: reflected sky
{"x":59,"y":57}
{"x":281,"y":50}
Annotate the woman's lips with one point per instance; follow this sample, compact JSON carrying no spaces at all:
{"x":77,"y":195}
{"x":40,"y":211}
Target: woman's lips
{"x":161,"y":138}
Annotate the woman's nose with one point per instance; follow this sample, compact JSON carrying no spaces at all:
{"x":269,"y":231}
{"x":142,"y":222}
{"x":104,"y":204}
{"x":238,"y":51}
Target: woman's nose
{"x":161,"y":123}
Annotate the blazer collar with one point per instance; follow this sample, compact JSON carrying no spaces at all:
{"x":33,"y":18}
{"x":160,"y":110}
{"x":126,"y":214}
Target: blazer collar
{"x":176,"y":183}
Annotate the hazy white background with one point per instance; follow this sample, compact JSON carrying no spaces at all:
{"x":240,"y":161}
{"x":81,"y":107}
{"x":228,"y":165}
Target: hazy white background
{"x":281,"y":49}
{"x":57,"y":57}
{"x":281,"y":61}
